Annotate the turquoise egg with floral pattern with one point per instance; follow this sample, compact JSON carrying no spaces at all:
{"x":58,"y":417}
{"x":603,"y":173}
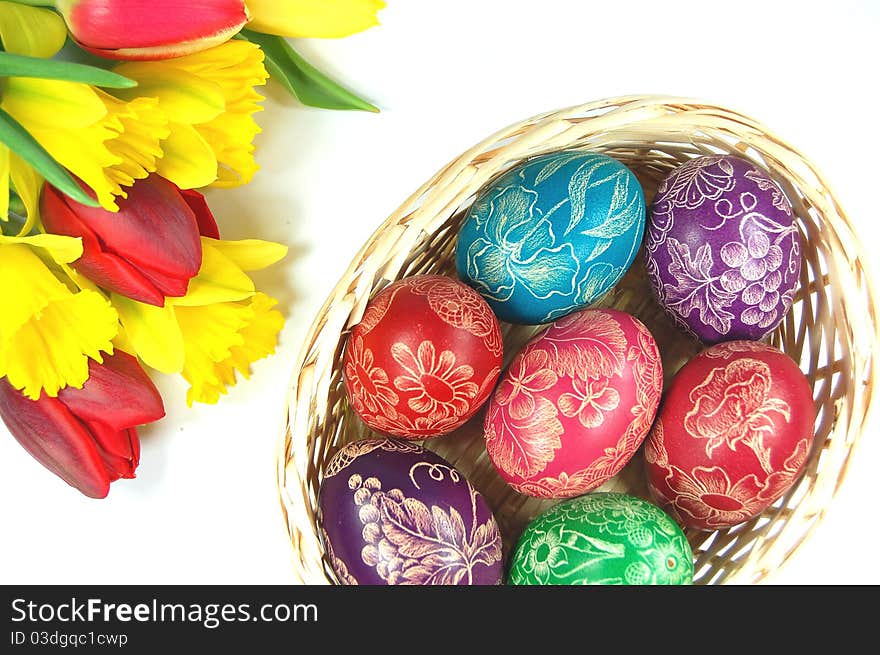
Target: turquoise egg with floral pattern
{"x":602,"y":538}
{"x":551,"y":235}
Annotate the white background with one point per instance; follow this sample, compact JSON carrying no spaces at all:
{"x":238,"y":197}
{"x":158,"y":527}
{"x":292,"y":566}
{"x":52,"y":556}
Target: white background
{"x":204,"y":508}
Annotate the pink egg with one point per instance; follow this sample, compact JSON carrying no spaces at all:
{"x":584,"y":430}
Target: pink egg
{"x":575,"y":404}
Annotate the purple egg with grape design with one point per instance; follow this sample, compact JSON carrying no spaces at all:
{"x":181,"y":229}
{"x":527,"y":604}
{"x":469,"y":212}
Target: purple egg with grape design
{"x":394,"y":513}
{"x":722,"y":250}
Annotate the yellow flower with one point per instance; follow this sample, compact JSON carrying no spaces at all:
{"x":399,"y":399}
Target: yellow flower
{"x":224,"y":338}
{"x":26,"y":181}
{"x":221,"y":326}
{"x":31,"y":30}
{"x":105,"y":142}
{"x":209,"y":100}
{"x":48,"y":330}
{"x":313,"y":18}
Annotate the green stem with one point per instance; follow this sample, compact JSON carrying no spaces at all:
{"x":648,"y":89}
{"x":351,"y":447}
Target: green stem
{"x":14,"y":225}
{"x":16,"y":206}
{"x":307,"y":83}
{"x":51,"y":69}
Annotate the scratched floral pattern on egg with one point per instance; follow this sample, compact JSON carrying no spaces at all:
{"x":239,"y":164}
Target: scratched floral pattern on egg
{"x":440,"y":388}
{"x":732,"y":437}
{"x":722,"y":251}
{"x":602,"y":538}
{"x":733,"y":405}
{"x":424,"y":357}
{"x":457,"y":306}
{"x":371,"y":390}
{"x":552,"y":235}
{"x":575,"y":404}
{"x":394,"y":513}
{"x":707,"y":497}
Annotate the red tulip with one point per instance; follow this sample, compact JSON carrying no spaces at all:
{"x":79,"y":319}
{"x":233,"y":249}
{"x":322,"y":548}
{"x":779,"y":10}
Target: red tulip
{"x":152,"y":29}
{"x":87,"y":436}
{"x":147,"y":250}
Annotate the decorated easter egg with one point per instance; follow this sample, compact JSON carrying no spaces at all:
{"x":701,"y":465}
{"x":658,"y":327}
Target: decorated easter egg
{"x":551,"y":235}
{"x":722,"y":250}
{"x":575,"y":404}
{"x":602,"y":538}
{"x":732,"y":436}
{"x":423,"y":359}
{"x":394,"y":513}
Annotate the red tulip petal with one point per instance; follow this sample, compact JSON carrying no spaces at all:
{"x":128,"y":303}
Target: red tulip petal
{"x":104,"y":269}
{"x":204,"y":217}
{"x":118,"y":393}
{"x":113,"y":443}
{"x":110,"y":24}
{"x":166,"y":284}
{"x":158,"y":53}
{"x":114,"y":274}
{"x":153,"y":228}
{"x":53,"y":436}
{"x":135,"y":448}
{"x":59,"y":218}
{"x":119,"y":449}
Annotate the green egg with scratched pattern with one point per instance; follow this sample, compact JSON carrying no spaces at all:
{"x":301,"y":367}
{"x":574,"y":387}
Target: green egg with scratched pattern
{"x":602,"y":538}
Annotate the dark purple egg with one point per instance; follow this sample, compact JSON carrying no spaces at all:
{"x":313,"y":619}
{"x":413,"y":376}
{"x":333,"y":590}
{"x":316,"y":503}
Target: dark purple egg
{"x":394,"y":513}
{"x":722,"y":249}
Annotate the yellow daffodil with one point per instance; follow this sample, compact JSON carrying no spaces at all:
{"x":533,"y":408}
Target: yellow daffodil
{"x":14,"y":172}
{"x":31,"y":30}
{"x":39,"y":33}
{"x":313,"y":18}
{"x":104,"y":141}
{"x":221,"y":326}
{"x":209,"y":100}
{"x":48,"y":330}
{"x":223,"y":338}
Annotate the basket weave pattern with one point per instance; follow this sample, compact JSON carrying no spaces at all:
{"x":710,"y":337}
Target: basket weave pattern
{"x":831,"y":330}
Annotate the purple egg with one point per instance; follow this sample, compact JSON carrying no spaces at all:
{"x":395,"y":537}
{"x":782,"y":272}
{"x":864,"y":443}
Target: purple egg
{"x":722,"y":250}
{"x":394,"y":513}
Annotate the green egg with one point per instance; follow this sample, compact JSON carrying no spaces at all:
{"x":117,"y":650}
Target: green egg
{"x":602,"y":538}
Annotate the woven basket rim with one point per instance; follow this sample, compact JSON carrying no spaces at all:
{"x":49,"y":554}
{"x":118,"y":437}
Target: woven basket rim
{"x":352,"y":288}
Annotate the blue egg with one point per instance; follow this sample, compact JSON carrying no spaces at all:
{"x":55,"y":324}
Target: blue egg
{"x":551,"y":235}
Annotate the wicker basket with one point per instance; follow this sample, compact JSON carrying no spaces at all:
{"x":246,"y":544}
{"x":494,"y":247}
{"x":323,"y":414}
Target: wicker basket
{"x":831,"y":330}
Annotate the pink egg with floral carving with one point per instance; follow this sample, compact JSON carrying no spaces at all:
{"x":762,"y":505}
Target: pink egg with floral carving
{"x":575,"y":404}
{"x":733,"y":434}
{"x":424,"y":358}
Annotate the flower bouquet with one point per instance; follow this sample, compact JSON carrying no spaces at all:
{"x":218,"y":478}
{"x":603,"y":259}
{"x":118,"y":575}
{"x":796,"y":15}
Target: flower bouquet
{"x":112,"y":115}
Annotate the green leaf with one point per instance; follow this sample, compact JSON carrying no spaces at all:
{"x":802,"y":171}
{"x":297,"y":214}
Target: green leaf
{"x":16,"y":206}
{"x":303,"y":80}
{"x":53,"y":69}
{"x":75,"y":53}
{"x":25,"y":146}
{"x":14,"y":226}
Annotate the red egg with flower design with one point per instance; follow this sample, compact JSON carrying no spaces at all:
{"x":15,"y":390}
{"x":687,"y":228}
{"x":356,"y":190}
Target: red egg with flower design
{"x":732,"y":436}
{"x":575,"y":404}
{"x":424,"y":358}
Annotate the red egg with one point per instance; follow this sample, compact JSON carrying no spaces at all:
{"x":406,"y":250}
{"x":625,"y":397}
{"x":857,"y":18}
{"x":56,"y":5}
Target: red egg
{"x":575,"y":404}
{"x":732,"y":436}
{"x":424,"y":358}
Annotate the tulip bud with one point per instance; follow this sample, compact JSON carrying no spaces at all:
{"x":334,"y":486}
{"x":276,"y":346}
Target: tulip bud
{"x":87,"y":436}
{"x":147,"y":250}
{"x":152,"y":29}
